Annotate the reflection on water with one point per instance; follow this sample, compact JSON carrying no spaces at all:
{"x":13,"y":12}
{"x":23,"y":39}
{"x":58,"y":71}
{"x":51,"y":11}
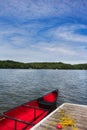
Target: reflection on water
{"x":21,"y":85}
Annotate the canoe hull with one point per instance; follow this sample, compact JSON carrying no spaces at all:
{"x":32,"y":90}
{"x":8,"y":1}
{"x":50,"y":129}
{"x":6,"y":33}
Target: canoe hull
{"x":29,"y":114}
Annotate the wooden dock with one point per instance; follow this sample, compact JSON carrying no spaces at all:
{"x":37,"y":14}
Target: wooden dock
{"x":72,"y":117}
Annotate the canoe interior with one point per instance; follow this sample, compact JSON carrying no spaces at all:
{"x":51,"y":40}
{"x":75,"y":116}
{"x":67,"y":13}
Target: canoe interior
{"x":51,"y":97}
{"x":27,"y":115}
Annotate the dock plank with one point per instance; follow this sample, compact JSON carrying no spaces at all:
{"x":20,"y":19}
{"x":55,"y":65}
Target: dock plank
{"x":78,"y":113}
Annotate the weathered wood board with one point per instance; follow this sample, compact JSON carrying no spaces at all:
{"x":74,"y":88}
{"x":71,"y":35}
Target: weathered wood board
{"x":77,"y":113}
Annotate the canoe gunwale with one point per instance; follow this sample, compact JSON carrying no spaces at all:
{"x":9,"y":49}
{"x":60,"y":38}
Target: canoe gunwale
{"x":38,"y":108}
{"x":57,"y":91}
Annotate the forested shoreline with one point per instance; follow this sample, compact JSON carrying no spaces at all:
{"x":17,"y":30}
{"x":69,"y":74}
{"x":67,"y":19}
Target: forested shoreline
{"x":8,"y":64}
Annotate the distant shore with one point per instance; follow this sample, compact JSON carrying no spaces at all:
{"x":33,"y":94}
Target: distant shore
{"x":9,"y":64}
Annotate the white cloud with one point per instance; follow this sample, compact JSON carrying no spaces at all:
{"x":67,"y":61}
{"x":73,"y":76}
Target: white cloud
{"x":29,"y":9}
{"x":44,"y":52}
{"x":68,"y":33}
{"x":61,"y":50}
{"x":36,"y":40}
{"x":18,"y":44}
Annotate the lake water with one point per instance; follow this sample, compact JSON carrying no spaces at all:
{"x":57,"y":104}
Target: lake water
{"x":18,"y":86}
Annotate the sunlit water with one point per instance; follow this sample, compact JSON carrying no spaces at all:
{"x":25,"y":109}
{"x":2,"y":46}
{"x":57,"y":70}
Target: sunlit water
{"x":18,"y":86}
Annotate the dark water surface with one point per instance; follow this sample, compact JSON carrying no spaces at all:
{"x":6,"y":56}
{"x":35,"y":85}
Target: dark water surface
{"x":22,"y":85}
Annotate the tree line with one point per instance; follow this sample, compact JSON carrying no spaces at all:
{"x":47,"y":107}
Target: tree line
{"x":8,"y":64}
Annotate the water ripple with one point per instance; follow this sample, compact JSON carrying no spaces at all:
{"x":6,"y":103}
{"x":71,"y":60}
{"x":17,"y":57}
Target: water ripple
{"x":21,"y":85}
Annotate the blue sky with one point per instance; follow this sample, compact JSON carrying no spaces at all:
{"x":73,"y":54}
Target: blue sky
{"x":43,"y":30}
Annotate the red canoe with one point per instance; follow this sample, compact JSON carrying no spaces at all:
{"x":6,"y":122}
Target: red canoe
{"x":29,"y":114}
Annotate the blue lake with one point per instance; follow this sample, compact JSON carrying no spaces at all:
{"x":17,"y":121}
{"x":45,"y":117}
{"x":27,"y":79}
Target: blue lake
{"x":18,"y":86}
